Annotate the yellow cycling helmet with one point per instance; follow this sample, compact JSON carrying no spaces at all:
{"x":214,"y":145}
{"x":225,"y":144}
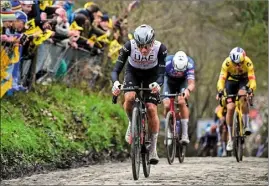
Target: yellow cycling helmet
{"x":88,"y":4}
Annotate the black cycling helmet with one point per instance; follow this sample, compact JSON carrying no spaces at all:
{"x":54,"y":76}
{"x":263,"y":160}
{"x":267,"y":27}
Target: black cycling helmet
{"x":144,"y":35}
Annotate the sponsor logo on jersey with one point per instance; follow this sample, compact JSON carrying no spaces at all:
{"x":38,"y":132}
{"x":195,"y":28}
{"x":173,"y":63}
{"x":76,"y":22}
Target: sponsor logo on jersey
{"x":139,"y":57}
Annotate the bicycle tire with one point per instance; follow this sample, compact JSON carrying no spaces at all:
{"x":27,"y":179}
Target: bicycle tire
{"x":235,"y":137}
{"x":240,"y":147}
{"x":181,"y":152}
{"x":135,"y":146}
{"x":170,"y":149}
{"x":145,"y":154}
{"x":181,"y":149}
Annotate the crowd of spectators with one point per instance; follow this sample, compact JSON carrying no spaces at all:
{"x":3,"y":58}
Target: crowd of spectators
{"x":27,"y":24}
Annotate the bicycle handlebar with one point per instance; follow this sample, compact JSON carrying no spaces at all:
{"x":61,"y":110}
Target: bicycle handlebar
{"x":235,"y":95}
{"x":135,"y":88}
{"x":172,"y":95}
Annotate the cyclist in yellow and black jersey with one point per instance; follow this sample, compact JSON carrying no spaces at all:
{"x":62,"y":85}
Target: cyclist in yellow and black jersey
{"x":219,"y":119}
{"x":236,"y":76}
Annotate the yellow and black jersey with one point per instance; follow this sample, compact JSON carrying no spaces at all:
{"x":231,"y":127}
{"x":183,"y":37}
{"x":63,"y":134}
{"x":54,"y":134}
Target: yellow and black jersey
{"x":231,"y":71}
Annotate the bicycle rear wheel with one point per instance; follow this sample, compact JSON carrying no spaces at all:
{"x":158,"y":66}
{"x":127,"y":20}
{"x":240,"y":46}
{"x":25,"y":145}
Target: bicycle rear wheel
{"x":136,"y":146}
{"x":145,"y":151}
{"x":170,"y":142}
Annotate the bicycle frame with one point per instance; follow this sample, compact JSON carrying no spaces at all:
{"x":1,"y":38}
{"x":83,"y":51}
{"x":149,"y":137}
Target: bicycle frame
{"x":140,"y":104}
{"x":140,"y":144}
{"x":172,"y":98}
{"x":175,"y":146}
{"x":238,"y":104}
{"x":238,"y":110}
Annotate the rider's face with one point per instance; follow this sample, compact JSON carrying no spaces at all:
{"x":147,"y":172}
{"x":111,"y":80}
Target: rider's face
{"x":145,"y":49}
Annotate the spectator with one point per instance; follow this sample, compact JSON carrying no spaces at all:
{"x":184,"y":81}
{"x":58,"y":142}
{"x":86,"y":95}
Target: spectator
{"x":16,"y":5}
{"x":104,"y":23}
{"x":9,"y":47}
{"x":53,"y":19}
{"x":68,"y":6}
{"x":20,"y":21}
{"x":8,"y":17}
{"x":26,"y":6}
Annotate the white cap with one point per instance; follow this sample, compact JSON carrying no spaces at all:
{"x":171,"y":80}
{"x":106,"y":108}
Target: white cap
{"x":27,"y":2}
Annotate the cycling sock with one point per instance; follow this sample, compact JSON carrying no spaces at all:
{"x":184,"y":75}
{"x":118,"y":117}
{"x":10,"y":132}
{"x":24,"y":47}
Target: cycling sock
{"x":184,"y":123}
{"x":246,"y":120}
{"x":154,"y":137}
{"x":218,"y":134}
{"x":229,"y":132}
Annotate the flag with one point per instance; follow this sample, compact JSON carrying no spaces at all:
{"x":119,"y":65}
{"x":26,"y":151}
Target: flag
{"x":114,"y":48}
{"x":42,"y":37}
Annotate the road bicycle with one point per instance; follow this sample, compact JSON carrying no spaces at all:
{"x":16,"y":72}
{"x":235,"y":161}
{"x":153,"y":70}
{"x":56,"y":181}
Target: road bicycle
{"x":238,"y":125}
{"x":173,"y":126}
{"x":140,"y":134}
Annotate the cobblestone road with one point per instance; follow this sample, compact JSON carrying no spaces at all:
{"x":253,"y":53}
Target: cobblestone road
{"x":194,"y":171}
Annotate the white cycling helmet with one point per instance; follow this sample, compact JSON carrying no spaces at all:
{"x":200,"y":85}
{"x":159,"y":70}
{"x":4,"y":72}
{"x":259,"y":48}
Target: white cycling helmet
{"x":180,"y":61}
{"x":237,"y":55}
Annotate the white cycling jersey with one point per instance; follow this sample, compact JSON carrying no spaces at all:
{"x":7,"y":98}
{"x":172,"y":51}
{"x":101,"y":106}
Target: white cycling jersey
{"x":144,"y":62}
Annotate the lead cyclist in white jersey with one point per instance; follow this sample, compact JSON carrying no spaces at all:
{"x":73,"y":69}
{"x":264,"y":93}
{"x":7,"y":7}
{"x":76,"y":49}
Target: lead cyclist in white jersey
{"x":146,"y":63}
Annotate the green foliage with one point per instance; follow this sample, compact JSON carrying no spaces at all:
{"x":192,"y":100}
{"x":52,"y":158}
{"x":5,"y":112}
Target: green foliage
{"x":42,"y":126}
{"x":253,"y":36}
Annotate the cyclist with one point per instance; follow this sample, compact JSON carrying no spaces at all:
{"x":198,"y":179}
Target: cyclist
{"x":220,"y":113}
{"x":179,"y":77}
{"x":236,"y":76}
{"x":146,"y":63}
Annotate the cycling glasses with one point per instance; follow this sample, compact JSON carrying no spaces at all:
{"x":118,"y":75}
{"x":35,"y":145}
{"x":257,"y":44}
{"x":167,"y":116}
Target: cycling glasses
{"x":146,"y":46}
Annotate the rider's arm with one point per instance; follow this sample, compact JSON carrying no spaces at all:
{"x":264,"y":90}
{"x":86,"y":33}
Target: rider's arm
{"x":191,"y":75}
{"x":251,"y":74}
{"x":161,"y":62}
{"x":223,"y":75}
{"x":123,"y":56}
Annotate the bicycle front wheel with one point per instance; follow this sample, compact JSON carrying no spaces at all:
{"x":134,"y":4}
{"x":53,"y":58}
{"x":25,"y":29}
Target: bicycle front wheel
{"x":181,"y":152}
{"x":135,"y":146}
{"x":181,"y":149}
{"x":170,"y":142}
{"x":236,"y":137}
{"x":145,"y":152}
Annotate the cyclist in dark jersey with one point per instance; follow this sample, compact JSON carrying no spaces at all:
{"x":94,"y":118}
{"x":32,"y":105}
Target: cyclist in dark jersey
{"x":145,"y":58}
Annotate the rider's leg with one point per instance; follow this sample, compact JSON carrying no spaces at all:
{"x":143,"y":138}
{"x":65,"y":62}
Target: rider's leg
{"x":130,"y":80}
{"x":231,"y":87}
{"x":128,"y":103}
{"x":166,"y":104}
{"x":166,"y":101}
{"x":229,"y":121}
{"x":128,"y":107}
{"x":245,"y":111}
{"x":184,"y":112}
{"x":223,"y":138}
{"x":154,"y":124}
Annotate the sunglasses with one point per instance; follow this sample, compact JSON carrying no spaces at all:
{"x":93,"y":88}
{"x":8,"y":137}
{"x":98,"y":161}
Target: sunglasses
{"x":238,"y":64}
{"x":146,"y":46}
